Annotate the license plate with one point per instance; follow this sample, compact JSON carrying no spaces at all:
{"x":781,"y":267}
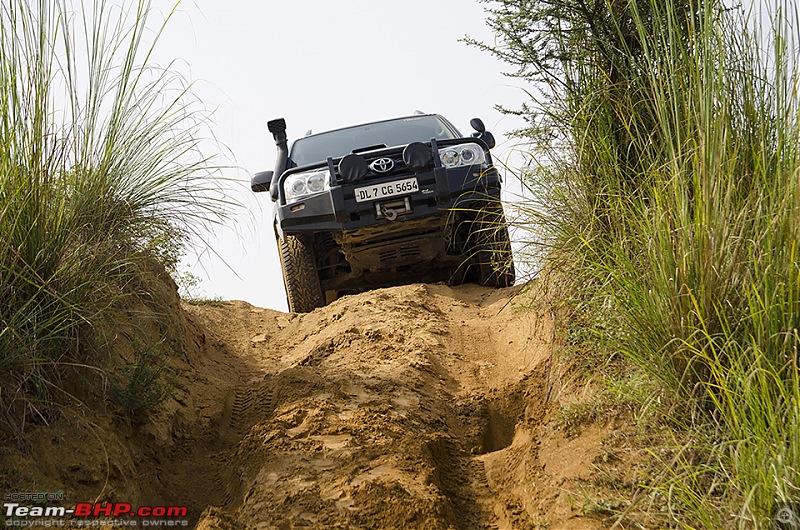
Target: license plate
{"x":386,"y":189}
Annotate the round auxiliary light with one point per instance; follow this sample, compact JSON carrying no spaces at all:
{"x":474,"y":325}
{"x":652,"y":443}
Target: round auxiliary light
{"x":316,"y":182}
{"x":450,"y":157}
{"x":353,"y":168}
{"x":417,"y":156}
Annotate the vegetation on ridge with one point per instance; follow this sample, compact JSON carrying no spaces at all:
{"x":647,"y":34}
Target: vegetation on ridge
{"x":101,"y":170}
{"x":667,"y":145}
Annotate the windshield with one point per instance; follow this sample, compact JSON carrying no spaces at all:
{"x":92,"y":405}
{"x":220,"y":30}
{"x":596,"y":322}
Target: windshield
{"x":390,"y":133}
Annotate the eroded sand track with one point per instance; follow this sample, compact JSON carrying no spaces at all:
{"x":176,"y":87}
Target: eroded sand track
{"x":414,"y":407}
{"x":409,"y":407}
{"x":420,"y":406}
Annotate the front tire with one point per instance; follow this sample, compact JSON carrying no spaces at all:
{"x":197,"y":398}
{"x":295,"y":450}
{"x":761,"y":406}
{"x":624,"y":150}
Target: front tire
{"x":493,"y":257}
{"x":300,"y":276}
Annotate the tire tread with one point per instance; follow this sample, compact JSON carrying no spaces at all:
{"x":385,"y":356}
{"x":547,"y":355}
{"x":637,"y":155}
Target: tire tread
{"x":303,"y":289}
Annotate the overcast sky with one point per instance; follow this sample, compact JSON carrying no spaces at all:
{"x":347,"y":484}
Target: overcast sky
{"x":321,"y":65}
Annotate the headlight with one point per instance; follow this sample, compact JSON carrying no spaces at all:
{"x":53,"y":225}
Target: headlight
{"x":300,"y":185}
{"x":462,"y":155}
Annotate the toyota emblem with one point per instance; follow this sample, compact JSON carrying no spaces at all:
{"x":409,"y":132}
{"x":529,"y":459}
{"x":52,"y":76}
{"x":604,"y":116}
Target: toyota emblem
{"x":382,"y":165}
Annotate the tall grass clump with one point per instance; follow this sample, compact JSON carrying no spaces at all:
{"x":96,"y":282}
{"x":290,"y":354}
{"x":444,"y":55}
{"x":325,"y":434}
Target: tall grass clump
{"x":100,"y":170}
{"x":668,"y":140}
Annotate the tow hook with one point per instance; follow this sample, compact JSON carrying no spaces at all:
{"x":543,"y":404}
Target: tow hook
{"x":393,"y":210}
{"x":388,"y":213}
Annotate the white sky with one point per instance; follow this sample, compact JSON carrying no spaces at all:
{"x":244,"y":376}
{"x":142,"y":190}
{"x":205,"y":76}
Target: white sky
{"x":321,"y":65}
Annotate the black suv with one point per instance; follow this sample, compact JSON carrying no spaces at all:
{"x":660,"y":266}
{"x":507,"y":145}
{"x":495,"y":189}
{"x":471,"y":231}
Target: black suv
{"x":386,"y":203}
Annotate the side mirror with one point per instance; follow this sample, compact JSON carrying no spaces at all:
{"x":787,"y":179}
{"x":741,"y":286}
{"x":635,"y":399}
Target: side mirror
{"x":477,"y":124}
{"x":488,"y":139}
{"x":261,"y":181}
{"x":481,"y":132}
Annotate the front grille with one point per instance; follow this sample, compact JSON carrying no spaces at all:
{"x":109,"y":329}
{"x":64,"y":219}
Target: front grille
{"x":395,"y":154}
{"x":399,"y":166}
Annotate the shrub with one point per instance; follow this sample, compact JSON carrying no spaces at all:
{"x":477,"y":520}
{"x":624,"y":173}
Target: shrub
{"x":668,"y":146}
{"x":101,"y":167}
{"x":143,"y":384}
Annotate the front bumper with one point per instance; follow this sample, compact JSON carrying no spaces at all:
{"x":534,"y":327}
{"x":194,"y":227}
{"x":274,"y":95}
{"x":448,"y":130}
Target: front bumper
{"x":441,"y":190}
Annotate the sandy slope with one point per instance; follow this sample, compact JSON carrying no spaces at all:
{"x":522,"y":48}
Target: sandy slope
{"x":409,"y":407}
{"x":421,"y":406}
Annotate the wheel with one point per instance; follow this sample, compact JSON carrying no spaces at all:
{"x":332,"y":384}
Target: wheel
{"x":303,"y":289}
{"x":492,"y":253}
